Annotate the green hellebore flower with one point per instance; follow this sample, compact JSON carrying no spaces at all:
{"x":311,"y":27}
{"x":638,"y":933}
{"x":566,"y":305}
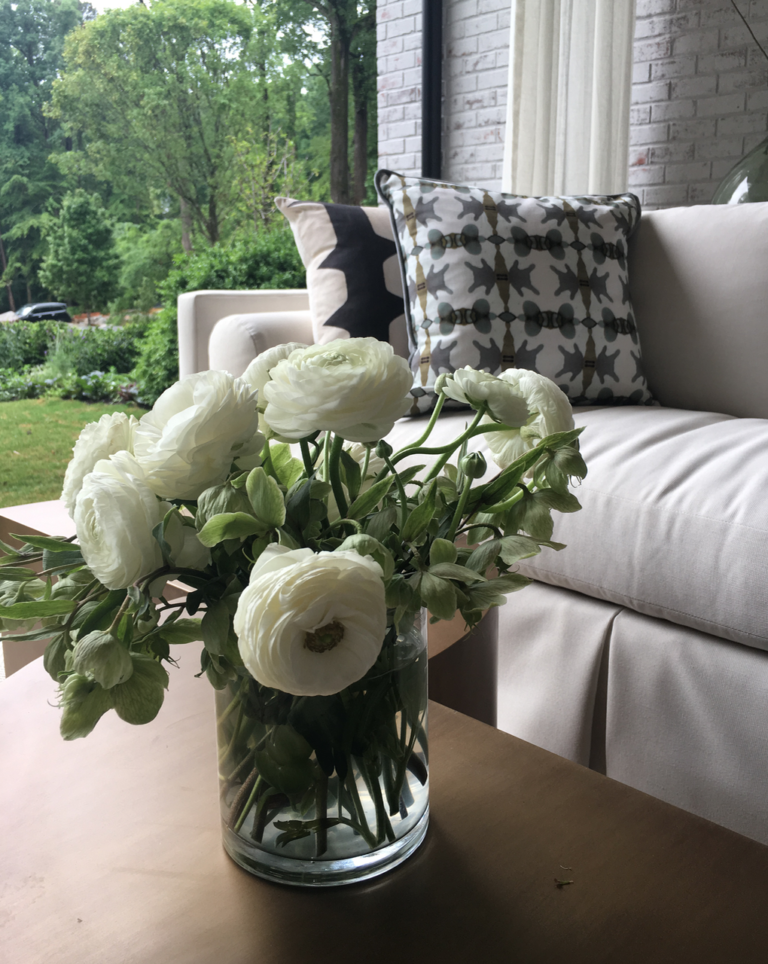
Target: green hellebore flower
{"x":83,"y":702}
{"x":102,"y":656}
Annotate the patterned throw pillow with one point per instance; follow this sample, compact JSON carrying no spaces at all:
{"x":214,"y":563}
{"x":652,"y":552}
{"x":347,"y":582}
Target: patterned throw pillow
{"x":499,"y":281}
{"x":353,"y":271}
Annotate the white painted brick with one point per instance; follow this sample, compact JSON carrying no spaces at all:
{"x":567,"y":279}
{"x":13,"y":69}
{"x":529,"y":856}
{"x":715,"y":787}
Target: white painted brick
{"x":389,"y":10}
{"x":672,"y":110}
{"x":652,"y":50}
{"x":685,"y":173}
{"x":647,"y":93}
{"x":649,"y":134}
{"x":721,"y":15}
{"x":640,"y":115}
{"x":725,"y":104}
{"x":738,"y":35}
{"x":651,"y":8}
{"x":664,"y":26}
{"x":461,"y":47}
{"x":396,"y":28}
{"x":386,"y":48}
{"x":639,"y":157}
{"x":492,"y":79}
{"x":693,"y":87}
{"x":671,"y":153}
{"x":757,"y":101}
{"x":691,"y":130}
{"x":403,"y":129}
{"x":405,"y":95}
{"x":463,"y":10}
{"x":717,"y":63}
{"x":641,"y":73}
{"x":741,"y":124}
{"x":412,"y":77}
{"x":751,"y":141}
{"x":677,"y":67}
{"x":643,"y":176}
{"x":697,"y":42}
{"x":742,"y":80}
{"x":723,"y":147}
{"x":701,"y":193}
{"x":390,"y":115}
{"x":669,"y":195}
{"x":482,"y":25}
{"x":720,"y":169}
{"x":400,"y":61}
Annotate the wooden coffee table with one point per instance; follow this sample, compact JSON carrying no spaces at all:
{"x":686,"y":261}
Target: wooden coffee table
{"x":110,"y":854}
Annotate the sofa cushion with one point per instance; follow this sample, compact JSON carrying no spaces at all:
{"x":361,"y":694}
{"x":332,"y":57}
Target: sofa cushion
{"x":353,"y":275}
{"x":674,"y":521}
{"x":699,"y":287}
{"x":497,"y":281}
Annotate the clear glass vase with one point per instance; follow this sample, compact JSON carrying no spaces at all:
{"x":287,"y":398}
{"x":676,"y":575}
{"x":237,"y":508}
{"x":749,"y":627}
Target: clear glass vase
{"x":328,"y":790}
{"x":747,"y":181}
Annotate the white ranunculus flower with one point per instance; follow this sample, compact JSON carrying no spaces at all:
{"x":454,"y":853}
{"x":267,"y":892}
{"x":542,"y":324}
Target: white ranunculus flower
{"x":542,"y":396}
{"x":472,"y":387}
{"x":115,"y":514}
{"x":98,"y":440}
{"x":197,"y":427}
{"x":355,"y":387}
{"x":257,"y":375}
{"x":309,"y":623}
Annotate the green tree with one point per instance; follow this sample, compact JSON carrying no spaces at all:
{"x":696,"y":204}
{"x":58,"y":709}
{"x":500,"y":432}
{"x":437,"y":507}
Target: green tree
{"x":154,"y":93}
{"x":81,"y":266}
{"x":349,"y":29}
{"x":31,"y":55}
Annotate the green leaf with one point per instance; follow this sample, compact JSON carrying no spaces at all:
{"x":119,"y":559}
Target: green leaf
{"x":369,"y":499}
{"x":102,"y":614}
{"x":287,"y":468}
{"x":530,"y":515}
{"x":561,"y":501}
{"x":45,"y":542}
{"x":180,"y":631}
{"x":215,"y":627}
{"x":229,"y":525}
{"x":16,"y":574}
{"x":54,"y":656}
{"x":366,"y":545}
{"x":350,"y":474}
{"x":380,"y":525}
{"x":266,"y":498}
{"x":442,"y":550}
{"x":37,"y":609}
{"x":447,"y":570}
{"x":516,"y":547}
{"x":53,"y":560}
{"x":419,"y":519}
{"x":438,"y":596}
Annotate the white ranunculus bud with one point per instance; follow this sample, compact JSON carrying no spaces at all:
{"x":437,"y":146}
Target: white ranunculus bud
{"x":311,"y":624}
{"x":98,"y":440}
{"x":257,"y":373}
{"x":115,"y":514}
{"x":197,"y":427}
{"x":542,"y":396}
{"x":472,"y":387}
{"x":355,"y":387}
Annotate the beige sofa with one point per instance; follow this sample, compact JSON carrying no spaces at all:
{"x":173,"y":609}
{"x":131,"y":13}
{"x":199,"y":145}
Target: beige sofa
{"x":642,"y":649}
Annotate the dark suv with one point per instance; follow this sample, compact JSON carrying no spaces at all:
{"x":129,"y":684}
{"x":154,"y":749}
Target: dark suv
{"x":44,"y":310}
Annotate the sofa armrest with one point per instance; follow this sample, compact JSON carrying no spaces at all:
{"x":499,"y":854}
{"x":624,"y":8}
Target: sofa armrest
{"x":200,"y":310}
{"x":237,"y":339}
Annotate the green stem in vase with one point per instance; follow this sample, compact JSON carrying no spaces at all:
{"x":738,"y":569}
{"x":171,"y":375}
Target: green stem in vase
{"x":240,"y":797}
{"x":335,"y":475}
{"x":249,"y":804}
{"x":383,"y":826}
{"x":235,"y":733}
{"x":358,"y":810}
{"x":308,"y":466}
{"x":271,"y":799}
{"x":321,"y":808}
{"x":227,"y":781}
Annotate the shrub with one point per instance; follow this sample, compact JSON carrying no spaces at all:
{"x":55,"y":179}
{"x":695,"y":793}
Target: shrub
{"x":27,"y":342}
{"x":81,"y":351}
{"x":34,"y":382}
{"x":260,"y":261}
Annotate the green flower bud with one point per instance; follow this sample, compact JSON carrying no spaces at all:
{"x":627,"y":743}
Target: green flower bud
{"x":383,"y":449}
{"x":218,"y":499}
{"x":473,"y":465}
{"x":102,"y":656}
{"x":83,"y":702}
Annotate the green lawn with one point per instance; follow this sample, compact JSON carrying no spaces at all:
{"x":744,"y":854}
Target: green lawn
{"x":36,"y":439}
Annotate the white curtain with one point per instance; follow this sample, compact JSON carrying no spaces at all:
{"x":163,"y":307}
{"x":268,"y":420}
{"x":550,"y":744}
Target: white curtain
{"x":570,"y":77}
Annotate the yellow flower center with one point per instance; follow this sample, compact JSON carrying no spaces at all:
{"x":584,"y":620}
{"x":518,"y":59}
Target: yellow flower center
{"x":324,"y":638}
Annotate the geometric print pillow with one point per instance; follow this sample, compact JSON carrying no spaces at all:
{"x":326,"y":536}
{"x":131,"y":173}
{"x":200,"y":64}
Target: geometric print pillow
{"x":499,"y":281}
{"x":353,"y":270}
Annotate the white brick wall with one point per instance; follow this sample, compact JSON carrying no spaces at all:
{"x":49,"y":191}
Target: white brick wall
{"x":699,"y":94}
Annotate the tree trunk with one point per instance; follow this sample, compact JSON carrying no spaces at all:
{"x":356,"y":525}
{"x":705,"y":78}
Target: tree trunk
{"x":4,"y":263}
{"x":186,"y":226}
{"x":339,"y":102}
{"x":212,"y":221}
{"x":360,"y":138}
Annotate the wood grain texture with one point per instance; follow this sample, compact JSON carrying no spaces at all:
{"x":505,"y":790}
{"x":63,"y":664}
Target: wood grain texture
{"x":110,"y":853}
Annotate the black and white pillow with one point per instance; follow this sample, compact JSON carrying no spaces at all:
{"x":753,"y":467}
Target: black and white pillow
{"x":353,"y":272}
{"x":499,"y":281}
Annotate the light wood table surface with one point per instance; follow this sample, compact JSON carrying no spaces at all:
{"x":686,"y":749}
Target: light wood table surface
{"x":110,"y":854}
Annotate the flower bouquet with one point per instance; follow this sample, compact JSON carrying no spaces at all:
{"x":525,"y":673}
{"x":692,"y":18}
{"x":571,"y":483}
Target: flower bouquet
{"x":312,"y":554}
